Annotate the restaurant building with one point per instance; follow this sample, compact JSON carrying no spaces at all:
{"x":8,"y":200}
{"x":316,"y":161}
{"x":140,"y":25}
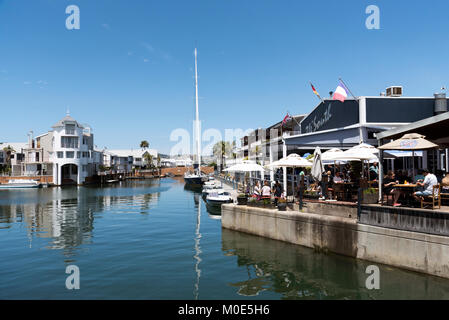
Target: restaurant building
{"x":336,"y":124}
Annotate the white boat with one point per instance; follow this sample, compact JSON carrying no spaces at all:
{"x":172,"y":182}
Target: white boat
{"x":206,"y":191}
{"x":218,"y":198}
{"x":20,"y":184}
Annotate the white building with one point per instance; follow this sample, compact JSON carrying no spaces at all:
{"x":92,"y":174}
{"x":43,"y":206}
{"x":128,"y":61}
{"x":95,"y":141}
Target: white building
{"x":124,"y":160}
{"x":72,"y":152}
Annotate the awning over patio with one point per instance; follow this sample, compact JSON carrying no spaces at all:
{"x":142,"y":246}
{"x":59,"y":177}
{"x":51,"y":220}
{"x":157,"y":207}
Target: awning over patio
{"x":434,"y":128}
{"x":345,"y":138}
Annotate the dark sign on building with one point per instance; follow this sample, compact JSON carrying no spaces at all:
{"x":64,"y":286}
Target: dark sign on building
{"x":331,"y":114}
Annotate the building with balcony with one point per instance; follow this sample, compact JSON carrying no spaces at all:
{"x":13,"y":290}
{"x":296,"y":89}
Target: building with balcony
{"x":125,"y":160}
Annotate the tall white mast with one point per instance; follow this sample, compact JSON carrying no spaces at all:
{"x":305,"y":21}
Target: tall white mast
{"x":197,"y":122}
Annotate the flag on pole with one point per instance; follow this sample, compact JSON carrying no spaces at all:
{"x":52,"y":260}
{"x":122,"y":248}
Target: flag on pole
{"x":314,"y":91}
{"x":286,"y":118}
{"x":341,"y":93}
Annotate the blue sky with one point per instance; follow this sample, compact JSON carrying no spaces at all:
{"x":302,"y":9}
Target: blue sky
{"x":128,"y":71}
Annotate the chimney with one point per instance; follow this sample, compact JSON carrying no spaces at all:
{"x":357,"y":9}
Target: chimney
{"x":440,"y":103}
{"x":30,"y":140}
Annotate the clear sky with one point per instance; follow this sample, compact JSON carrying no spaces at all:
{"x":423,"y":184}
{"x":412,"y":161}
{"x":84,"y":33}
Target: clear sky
{"x":128,"y":70}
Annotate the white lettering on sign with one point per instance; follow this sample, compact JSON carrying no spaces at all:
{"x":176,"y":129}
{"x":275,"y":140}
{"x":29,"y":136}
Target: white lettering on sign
{"x":316,"y":124}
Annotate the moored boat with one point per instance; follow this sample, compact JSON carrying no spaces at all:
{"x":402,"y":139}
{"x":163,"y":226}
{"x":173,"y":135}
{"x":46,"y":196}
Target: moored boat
{"x":20,"y":184}
{"x":218,"y":198}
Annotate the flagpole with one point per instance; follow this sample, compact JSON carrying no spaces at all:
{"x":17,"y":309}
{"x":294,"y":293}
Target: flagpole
{"x":293,"y":117}
{"x":358,"y":102}
{"x":316,"y":92}
{"x":348,"y":89}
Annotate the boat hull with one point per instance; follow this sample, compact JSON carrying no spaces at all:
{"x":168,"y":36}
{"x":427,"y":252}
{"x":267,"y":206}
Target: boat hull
{"x":217,"y":202}
{"x":19,"y":186}
{"x":194,"y":180}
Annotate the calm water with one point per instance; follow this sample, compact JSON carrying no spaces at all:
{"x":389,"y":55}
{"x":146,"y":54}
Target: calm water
{"x":153,"y":239}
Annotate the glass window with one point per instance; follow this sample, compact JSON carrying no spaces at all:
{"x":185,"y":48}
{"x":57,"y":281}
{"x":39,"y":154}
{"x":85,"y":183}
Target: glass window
{"x":60,"y":154}
{"x":70,"y":129}
{"x":70,"y":154}
{"x":78,"y":154}
{"x":69,"y":142}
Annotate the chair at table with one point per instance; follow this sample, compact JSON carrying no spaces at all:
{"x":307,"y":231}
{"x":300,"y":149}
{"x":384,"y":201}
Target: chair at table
{"x":387,"y":195}
{"x":339,"y":191}
{"x":434,"y":199}
{"x":444,"y":193}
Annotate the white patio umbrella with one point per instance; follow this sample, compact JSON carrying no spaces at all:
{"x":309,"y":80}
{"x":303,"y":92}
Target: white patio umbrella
{"x":317,"y":167}
{"x":292,"y":161}
{"x":362,"y":152}
{"x":245,"y":166}
{"x":410,"y":142}
{"x":332,"y":154}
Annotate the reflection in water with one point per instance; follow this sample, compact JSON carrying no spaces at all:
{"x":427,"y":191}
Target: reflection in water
{"x":66,"y":215}
{"x":197,"y":247}
{"x":297,"y":272}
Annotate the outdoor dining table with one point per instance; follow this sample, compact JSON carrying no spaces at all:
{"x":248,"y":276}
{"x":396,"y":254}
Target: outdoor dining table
{"x":347,"y":190}
{"x":408,"y":190}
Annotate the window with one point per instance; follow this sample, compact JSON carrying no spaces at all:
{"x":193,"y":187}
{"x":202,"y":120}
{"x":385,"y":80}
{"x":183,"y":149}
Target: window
{"x":84,"y":168}
{"x":37,"y":156}
{"x":70,"y":154}
{"x":60,"y":154}
{"x":69,"y":129}
{"x":78,"y":154}
{"x":85,"y":154}
{"x":84,"y":140}
{"x":69,"y":142}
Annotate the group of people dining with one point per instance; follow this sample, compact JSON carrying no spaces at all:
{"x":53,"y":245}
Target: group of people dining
{"x":266,"y":192}
{"x":424,"y":181}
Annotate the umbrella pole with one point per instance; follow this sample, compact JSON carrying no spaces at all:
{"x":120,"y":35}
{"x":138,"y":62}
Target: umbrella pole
{"x":413,"y":162}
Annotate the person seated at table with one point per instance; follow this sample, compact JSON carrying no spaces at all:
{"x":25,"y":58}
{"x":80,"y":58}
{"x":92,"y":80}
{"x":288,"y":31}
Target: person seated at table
{"x":398,"y":176}
{"x":405,"y":177}
{"x":389,"y":183}
{"x":445,"y":184}
{"x":266,"y":191}
{"x":337,"y":178}
{"x":419,"y":176}
{"x":257,"y":191}
{"x":429,"y":181}
{"x":374,"y":171}
{"x":277,"y":191}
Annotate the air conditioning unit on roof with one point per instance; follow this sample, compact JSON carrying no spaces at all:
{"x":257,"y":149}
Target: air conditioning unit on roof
{"x":394,"y":91}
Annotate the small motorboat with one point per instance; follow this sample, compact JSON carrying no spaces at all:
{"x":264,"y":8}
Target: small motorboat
{"x":218,"y":198}
{"x":211,"y":189}
{"x":21,"y":184}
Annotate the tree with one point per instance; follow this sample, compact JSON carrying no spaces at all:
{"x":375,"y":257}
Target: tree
{"x":8,"y":150}
{"x":220,"y":150}
{"x":159,"y":163}
{"x":144,"y":144}
{"x":148,"y":159}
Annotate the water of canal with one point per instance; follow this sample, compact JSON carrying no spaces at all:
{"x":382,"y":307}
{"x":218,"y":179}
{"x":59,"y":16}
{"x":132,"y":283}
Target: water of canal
{"x":154,"y":239}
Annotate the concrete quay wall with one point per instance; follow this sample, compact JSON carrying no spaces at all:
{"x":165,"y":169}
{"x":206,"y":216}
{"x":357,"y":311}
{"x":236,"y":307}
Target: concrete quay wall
{"x":404,"y":249}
